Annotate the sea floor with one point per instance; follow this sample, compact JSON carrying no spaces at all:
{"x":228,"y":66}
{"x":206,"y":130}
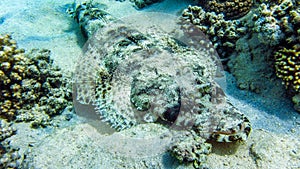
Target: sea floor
{"x":274,"y":142}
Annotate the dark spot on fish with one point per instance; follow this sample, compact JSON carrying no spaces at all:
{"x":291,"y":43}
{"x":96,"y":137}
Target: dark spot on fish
{"x":247,"y":130}
{"x":231,"y":138}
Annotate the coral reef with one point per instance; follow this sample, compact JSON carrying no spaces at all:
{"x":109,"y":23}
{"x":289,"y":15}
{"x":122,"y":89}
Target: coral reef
{"x":273,"y":31}
{"x":90,"y":15}
{"x":222,"y":33}
{"x":32,"y":88}
{"x":5,"y":130}
{"x":276,"y":24}
{"x":287,"y":65}
{"x":281,"y":24}
{"x":9,"y":157}
{"x":231,"y":9}
{"x":249,"y":42}
{"x":190,"y":148}
{"x":250,"y":63}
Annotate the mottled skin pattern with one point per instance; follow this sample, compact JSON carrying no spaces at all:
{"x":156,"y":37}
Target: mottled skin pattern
{"x":150,"y":77}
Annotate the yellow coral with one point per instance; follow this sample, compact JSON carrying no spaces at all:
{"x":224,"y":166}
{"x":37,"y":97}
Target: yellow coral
{"x":287,"y":65}
{"x":17,"y":97}
{"x":230,"y":8}
{"x":10,"y":75}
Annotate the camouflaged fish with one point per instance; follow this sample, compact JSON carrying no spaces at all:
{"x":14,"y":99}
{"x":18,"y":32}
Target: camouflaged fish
{"x":134,"y":77}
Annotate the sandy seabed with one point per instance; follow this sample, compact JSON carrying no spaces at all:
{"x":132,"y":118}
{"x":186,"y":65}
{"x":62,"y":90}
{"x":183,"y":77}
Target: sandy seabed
{"x":274,"y":142}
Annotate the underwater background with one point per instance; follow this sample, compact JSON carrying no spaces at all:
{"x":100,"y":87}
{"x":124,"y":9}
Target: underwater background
{"x":61,"y":105}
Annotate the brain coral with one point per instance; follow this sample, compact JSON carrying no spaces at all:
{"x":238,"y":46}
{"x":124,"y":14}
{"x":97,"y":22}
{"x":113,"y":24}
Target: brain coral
{"x":32,"y":88}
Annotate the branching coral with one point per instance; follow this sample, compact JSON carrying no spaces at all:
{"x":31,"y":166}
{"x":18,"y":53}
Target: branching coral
{"x":30,"y":81}
{"x":278,"y":26}
{"x":12,"y":66}
{"x":274,"y":25}
{"x":287,"y":65}
{"x":223,"y":33}
{"x":5,"y":130}
{"x":277,"y":23}
{"x":190,"y":148}
{"x":9,"y":157}
{"x":230,"y":8}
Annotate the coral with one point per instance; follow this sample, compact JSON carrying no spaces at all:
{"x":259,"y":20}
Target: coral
{"x":250,"y":63}
{"x":90,"y":15}
{"x":277,"y":24}
{"x":190,"y":148}
{"x":29,"y":81}
{"x":226,"y":125}
{"x":9,"y":157}
{"x":231,"y":9}
{"x":13,"y":67}
{"x":222,"y":33}
{"x":5,"y":130}
{"x":273,"y":25}
{"x":287,"y":66}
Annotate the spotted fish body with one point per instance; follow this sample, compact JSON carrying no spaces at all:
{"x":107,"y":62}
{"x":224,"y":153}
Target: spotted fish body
{"x":151,"y":77}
